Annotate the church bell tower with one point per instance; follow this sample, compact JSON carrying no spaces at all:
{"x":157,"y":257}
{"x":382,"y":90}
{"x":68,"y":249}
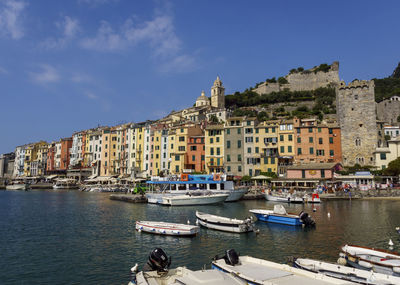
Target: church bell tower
{"x":218,"y":94}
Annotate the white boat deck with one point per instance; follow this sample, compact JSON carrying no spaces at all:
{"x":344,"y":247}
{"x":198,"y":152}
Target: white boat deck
{"x":216,"y":219}
{"x":260,"y":271}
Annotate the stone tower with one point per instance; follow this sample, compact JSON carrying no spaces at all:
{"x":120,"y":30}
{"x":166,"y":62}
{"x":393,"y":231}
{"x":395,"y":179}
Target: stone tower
{"x":355,"y":105}
{"x":218,"y":94}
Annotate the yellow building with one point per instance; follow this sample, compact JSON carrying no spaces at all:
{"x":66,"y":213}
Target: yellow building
{"x":286,"y":143}
{"x":156,"y":147}
{"x":139,"y":147}
{"x":108,"y":153}
{"x":266,"y":140}
{"x":214,"y":152}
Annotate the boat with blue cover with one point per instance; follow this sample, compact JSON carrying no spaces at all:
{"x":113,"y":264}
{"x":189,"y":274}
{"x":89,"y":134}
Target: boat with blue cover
{"x":280,"y":216}
{"x":191,"y":184}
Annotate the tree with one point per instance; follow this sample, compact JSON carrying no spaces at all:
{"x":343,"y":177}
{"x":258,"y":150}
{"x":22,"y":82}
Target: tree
{"x":282,"y":80}
{"x":393,"y":168}
{"x":214,"y":119}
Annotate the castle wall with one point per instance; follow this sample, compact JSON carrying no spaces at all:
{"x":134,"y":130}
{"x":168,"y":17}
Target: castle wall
{"x":302,"y":81}
{"x":357,"y":119}
{"x":388,"y":111}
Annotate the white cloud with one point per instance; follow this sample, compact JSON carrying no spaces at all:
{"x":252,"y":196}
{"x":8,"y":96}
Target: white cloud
{"x":69,"y":28}
{"x":47,"y":74}
{"x":10,"y":14}
{"x":178,"y":64}
{"x":159,"y":33}
{"x":91,"y":95}
{"x":3,"y":70}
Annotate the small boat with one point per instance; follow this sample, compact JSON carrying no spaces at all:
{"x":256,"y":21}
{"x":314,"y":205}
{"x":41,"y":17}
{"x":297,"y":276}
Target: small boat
{"x":224,"y":224}
{"x":345,"y":273}
{"x":17,"y":186}
{"x":284,"y":198}
{"x":377,"y":260}
{"x":259,"y":271}
{"x":170,"y":229}
{"x":398,"y":230}
{"x":187,"y":200}
{"x":67,"y":183}
{"x":314,"y":199}
{"x":279,"y":216}
{"x":157,"y":272}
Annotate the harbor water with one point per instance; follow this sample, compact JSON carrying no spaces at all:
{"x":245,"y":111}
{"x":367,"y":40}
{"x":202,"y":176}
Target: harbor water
{"x":72,"y":237}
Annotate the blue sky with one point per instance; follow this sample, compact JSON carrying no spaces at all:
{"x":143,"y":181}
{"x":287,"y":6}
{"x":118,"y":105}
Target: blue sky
{"x":72,"y":65}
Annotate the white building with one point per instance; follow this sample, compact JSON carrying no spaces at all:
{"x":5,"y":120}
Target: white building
{"x":383,"y":156}
{"x":130,"y":145}
{"x":19,"y":161}
{"x":57,"y":156}
{"x":392,"y":131}
{"x":146,"y":150}
{"x":76,"y":149}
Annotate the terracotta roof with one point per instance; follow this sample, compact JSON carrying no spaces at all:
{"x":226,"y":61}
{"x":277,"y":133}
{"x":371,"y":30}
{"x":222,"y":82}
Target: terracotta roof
{"x":314,"y":166}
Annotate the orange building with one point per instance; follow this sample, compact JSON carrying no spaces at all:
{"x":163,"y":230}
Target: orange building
{"x":316,"y":143}
{"x":195,"y":154}
{"x":50,"y":158}
{"x":66,"y":145}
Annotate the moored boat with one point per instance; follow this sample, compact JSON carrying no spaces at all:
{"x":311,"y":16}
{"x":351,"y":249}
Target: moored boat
{"x":224,"y":224}
{"x":157,"y":272}
{"x":377,"y":260}
{"x":314,"y":199}
{"x":17,"y":186}
{"x":164,"y":228}
{"x":279,"y":216}
{"x":345,"y":273}
{"x":188,"y":200}
{"x":258,"y":271}
{"x":67,"y":183}
{"x":284,"y":198}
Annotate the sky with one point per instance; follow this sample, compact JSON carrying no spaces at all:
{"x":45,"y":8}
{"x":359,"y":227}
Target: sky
{"x":71,"y":65}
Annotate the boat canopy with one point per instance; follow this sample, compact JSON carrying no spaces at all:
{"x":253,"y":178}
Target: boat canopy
{"x":192,"y":179}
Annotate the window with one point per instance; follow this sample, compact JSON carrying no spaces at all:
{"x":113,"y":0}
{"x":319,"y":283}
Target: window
{"x":239,"y":157}
{"x":177,"y":158}
{"x":299,"y":150}
{"x":298,"y":130}
{"x":331,"y":140}
{"x":249,"y":150}
{"x":299,"y":140}
{"x":289,"y":148}
{"x":228,"y":131}
{"x":310,"y":139}
{"x":257,"y":149}
{"x":193,"y":147}
{"x":202,"y":158}
{"x":228,"y":168}
{"x":290,"y":137}
{"x":266,"y":130}
{"x":256,"y":131}
{"x":211,"y":151}
{"x":239,"y":168}
{"x":228,"y":158}
{"x":218,"y":151}
{"x":272,"y":160}
{"x":290,"y":127}
{"x":228,"y":144}
{"x":238,"y":131}
{"x":282,"y":127}
{"x":320,"y":152}
{"x":269,"y":170}
{"x":172,"y":146}
{"x":273,"y":129}
{"x":181,"y":139}
{"x":330,"y":131}
{"x":320,"y":140}
{"x":193,"y":158}
{"x":303,"y":174}
{"x":311,"y":150}
{"x":310,"y":130}
{"x":383,"y":156}
{"x":256,"y":139}
{"x":239,"y":142}
{"x":211,"y":140}
{"x":177,"y":168}
{"x":322,"y":173}
{"x":217,"y":139}
{"x":181,"y":148}
{"x":281,"y":138}
{"x":282,"y":149}
{"x":319,"y":130}
{"x":331,"y":152}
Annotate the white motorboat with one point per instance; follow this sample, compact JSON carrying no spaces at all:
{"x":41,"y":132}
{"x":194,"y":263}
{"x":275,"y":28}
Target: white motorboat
{"x":67,"y":183}
{"x":215,"y":184}
{"x":163,"y":228}
{"x":259,"y":271}
{"x":377,"y":260}
{"x":187,"y":200}
{"x":157,"y":272}
{"x":17,"y":186}
{"x":284,"y":198}
{"x":280,"y":216}
{"x":345,"y":273}
{"x":224,"y":224}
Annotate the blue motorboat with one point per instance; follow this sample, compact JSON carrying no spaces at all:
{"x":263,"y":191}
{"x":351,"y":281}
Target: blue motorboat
{"x":279,"y":216}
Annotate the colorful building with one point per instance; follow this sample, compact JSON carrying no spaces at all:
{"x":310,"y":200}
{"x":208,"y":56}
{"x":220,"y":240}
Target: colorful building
{"x":214,"y":148}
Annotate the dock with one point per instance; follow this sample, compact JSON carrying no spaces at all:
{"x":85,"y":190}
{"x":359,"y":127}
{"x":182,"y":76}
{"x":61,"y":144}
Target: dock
{"x":130,"y":198}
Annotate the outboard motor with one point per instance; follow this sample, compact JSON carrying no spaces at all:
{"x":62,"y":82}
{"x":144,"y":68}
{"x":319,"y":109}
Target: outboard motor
{"x":158,"y":260}
{"x":306,"y":219}
{"x":231,"y":257}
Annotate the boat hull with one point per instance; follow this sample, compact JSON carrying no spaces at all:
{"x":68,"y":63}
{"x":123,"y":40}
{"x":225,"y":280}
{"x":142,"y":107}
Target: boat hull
{"x":170,"y":229}
{"x":293,"y":200}
{"x":186,"y":200}
{"x":17,"y":187}
{"x":224,"y":224}
{"x":270,"y":217}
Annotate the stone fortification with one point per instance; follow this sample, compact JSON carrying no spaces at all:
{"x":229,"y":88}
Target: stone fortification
{"x":310,"y":79}
{"x":388,"y":110}
{"x":355,"y":105}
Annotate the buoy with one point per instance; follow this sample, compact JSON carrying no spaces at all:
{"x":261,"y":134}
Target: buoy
{"x":342,"y":261}
{"x":134,"y":269}
{"x":390,"y":242}
{"x":188,"y":222}
{"x":329,"y":215}
{"x":257,"y":231}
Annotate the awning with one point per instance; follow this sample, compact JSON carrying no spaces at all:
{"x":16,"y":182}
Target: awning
{"x":51,"y":177}
{"x":261,"y":177}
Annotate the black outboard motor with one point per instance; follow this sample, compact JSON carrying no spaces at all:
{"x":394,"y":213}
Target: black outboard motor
{"x":158,"y":260}
{"x":231,"y":257}
{"x":306,"y":219}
